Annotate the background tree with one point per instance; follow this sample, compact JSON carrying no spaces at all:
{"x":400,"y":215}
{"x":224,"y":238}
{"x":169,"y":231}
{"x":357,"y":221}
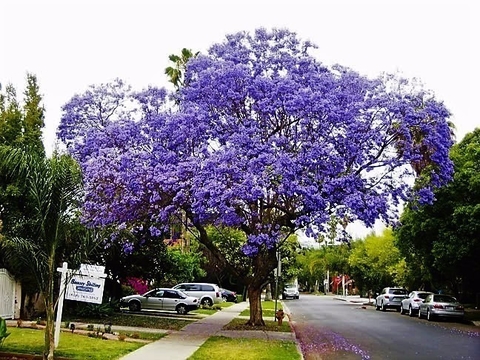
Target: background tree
{"x":440,"y":241}
{"x":375,"y":262}
{"x":316,"y":263}
{"x":266,"y":139}
{"x":20,"y":127}
{"x":54,"y":189}
{"x":33,"y":116}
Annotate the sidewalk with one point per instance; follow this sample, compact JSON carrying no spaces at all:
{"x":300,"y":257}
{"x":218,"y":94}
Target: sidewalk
{"x":179,"y":345}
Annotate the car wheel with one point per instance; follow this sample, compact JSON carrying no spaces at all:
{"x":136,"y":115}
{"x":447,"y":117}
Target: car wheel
{"x":382,"y":307}
{"x":429,"y":315}
{"x":207,"y":302}
{"x":401,"y":310}
{"x":181,"y":309}
{"x":419,"y":314}
{"x":410,"y":311}
{"x":376,"y":306}
{"x":134,"y":306}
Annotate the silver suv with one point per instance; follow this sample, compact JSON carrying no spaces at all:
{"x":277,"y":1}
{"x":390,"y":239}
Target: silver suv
{"x":390,"y":297}
{"x":207,"y":293}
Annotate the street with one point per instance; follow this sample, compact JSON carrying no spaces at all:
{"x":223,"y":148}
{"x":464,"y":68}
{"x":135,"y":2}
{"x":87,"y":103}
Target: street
{"x":333,"y":329}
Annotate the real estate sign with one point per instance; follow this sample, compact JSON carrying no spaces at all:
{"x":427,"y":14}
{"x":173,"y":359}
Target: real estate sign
{"x":86,"y":284}
{"x":85,"y":288}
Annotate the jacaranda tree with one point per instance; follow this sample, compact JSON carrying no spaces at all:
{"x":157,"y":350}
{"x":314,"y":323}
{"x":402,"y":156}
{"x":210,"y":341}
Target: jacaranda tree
{"x":266,"y":139}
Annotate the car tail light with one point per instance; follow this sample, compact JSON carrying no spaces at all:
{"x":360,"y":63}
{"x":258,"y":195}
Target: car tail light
{"x":217,"y":294}
{"x":438,"y":306}
{"x":416,"y":300}
{"x":195,"y":300}
{"x":386,"y":296}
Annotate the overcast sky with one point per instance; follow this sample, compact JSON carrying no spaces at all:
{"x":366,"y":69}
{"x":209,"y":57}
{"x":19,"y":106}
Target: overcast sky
{"x":70,"y":45}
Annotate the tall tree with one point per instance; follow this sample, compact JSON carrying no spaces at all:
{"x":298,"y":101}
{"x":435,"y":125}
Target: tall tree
{"x":440,"y":241}
{"x":54,"y":191}
{"x":268,"y":140}
{"x":376,"y":262}
{"x":34,"y":116}
{"x":20,"y":127}
{"x":11,"y":118}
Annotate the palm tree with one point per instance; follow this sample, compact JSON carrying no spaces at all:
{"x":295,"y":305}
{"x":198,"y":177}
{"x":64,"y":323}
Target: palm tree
{"x":53,"y":188}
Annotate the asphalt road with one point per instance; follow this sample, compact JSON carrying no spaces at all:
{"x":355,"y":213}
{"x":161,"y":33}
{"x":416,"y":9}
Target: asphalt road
{"x":334,"y":329}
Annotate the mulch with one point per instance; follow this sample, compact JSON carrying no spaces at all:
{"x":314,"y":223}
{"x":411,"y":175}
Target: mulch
{"x":16,"y":356}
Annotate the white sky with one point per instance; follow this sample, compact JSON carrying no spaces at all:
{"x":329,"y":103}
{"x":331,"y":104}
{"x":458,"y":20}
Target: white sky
{"x":70,"y":45}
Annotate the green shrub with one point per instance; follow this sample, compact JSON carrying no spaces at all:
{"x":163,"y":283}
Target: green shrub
{"x":3,"y":331}
{"x":96,"y":311}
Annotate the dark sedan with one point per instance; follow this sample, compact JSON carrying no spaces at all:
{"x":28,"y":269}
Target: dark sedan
{"x":228,"y":295}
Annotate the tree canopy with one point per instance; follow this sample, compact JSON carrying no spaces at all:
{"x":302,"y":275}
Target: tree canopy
{"x":440,"y":241}
{"x":264,"y":138}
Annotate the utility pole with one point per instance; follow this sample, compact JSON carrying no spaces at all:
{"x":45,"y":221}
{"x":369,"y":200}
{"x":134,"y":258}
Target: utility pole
{"x":277,"y":274}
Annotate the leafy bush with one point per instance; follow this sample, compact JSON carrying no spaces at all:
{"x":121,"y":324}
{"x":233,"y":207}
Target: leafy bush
{"x":96,"y":311}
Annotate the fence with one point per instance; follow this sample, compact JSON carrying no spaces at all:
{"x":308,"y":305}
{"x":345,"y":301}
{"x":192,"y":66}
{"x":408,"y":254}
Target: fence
{"x":8,"y":287}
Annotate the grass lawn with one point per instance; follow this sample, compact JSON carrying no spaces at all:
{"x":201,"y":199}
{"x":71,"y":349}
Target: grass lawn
{"x":73,"y":346}
{"x":223,"y":348}
{"x":212,"y":310}
{"x":154,"y":322}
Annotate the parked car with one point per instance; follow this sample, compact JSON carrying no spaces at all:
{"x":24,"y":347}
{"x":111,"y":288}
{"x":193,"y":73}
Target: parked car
{"x":161,"y":299}
{"x":207,"y":293}
{"x":228,"y":295}
{"x":390,"y":297}
{"x":290,"y":291}
{"x":412,"y":303}
{"x":440,"y":305}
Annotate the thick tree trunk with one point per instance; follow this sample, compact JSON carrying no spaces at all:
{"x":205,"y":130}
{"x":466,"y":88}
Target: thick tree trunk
{"x":255,"y":299}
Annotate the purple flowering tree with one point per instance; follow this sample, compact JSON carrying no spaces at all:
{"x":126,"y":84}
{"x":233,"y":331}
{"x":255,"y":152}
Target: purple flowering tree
{"x":268,"y":140}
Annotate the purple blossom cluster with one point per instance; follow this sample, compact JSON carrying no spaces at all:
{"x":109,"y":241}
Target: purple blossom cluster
{"x":264,"y":137}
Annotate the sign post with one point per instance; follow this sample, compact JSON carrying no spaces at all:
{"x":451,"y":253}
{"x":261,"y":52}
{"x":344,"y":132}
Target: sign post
{"x":61,"y":296}
{"x":84,"y":285}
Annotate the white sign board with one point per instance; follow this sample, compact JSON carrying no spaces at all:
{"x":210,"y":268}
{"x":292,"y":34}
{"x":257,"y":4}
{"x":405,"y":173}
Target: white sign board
{"x":92,"y":270}
{"x":85,"y":288}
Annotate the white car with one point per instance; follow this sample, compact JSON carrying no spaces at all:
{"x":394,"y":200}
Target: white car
{"x":161,"y":299}
{"x":290,"y":291}
{"x":390,"y":297}
{"x":412,"y":303}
